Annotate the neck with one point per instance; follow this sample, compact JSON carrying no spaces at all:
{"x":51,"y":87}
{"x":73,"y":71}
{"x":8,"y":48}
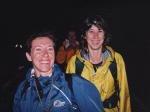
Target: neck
{"x":95,"y":56}
{"x":44,"y":74}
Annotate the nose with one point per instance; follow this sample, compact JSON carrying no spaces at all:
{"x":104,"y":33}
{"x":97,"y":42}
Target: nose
{"x":45,"y":53}
{"x":96,"y":35}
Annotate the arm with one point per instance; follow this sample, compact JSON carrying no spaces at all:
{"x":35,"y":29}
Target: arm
{"x":87,"y":96}
{"x":17,"y":98}
{"x":124,"y":103}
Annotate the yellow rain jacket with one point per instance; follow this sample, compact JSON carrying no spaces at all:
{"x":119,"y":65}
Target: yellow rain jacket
{"x":104,"y":80}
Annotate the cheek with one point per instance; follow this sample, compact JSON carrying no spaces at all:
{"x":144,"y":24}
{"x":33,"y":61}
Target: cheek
{"x":52,"y":54}
{"x":102,"y":41}
{"x":52,"y":57}
{"x":102,"y":38}
{"x":35,"y":56}
{"x":35,"y":59}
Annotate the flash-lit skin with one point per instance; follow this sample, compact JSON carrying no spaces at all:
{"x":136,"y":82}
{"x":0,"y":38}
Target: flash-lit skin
{"x":42,"y":56}
{"x":95,"y":38}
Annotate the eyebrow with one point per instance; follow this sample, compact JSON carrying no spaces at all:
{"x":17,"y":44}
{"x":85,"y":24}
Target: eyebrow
{"x":40,"y":45}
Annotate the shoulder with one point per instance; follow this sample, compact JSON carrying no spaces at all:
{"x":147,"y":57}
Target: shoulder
{"x":119,"y":58}
{"x":78,"y":80}
{"x":72,"y":59}
{"x":115,"y":54}
{"x":22,"y":83}
{"x":77,"y":55}
{"x":19,"y":91}
{"x":86,"y":94}
{"x":21,"y":86}
{"x":84,"y":84}
{"x":118,"y":55}
{"x":83,"y":87}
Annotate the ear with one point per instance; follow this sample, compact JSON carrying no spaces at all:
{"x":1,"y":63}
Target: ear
{"x":28,"y":56}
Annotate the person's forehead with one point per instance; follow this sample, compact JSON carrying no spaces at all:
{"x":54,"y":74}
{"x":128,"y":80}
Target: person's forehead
{"x":42,"y":40}
{"x":95,"y":27}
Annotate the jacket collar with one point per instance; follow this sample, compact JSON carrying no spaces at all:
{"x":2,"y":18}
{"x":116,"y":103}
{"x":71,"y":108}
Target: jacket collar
{"x":56,"y":75}
{"x":108,"y":54}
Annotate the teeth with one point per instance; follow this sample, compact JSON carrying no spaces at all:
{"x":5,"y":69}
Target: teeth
{"x":44,"y":62}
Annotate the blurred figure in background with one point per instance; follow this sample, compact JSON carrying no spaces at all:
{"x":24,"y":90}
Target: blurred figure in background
{"x":67,"y":49}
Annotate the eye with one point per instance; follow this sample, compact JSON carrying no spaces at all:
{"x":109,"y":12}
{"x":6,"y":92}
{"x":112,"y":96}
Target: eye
{"x":100,"y":30}
{"x":90,"y":31}
{"x":50,"y":49}
{"x":38,"y":49}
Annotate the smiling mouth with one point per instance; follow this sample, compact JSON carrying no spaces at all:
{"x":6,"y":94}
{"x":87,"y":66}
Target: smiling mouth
{"x":45,"y":62}
{"x":96,"y":42}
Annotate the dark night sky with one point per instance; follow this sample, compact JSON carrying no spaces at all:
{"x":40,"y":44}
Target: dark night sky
{"x":129,"y":24}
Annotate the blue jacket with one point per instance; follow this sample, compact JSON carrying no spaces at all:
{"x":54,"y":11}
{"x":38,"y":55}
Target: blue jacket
{"x":52,"y":94}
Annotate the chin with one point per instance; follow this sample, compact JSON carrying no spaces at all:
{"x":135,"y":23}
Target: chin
{"x":96,"y":48}
{"x":45,"y":75}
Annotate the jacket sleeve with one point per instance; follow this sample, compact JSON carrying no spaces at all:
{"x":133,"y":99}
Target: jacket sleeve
{"x":124,"y":103}
{"x":87,"y":96}
{"x":17,"y":98}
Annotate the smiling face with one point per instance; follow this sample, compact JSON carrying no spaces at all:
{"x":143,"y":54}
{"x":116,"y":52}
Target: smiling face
{"x":42,"y":56}
{"x":95,"y":38}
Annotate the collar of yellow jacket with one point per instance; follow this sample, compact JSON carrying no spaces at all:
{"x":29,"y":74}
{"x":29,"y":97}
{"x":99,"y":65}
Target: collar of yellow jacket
{"x":109,"y":58}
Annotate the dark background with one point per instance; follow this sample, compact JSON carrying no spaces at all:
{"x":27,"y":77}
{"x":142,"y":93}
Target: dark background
{"x":128,"y":22}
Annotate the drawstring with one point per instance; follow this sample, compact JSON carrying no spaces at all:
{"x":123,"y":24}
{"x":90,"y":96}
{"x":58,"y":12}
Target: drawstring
{"x":38,"y":89}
